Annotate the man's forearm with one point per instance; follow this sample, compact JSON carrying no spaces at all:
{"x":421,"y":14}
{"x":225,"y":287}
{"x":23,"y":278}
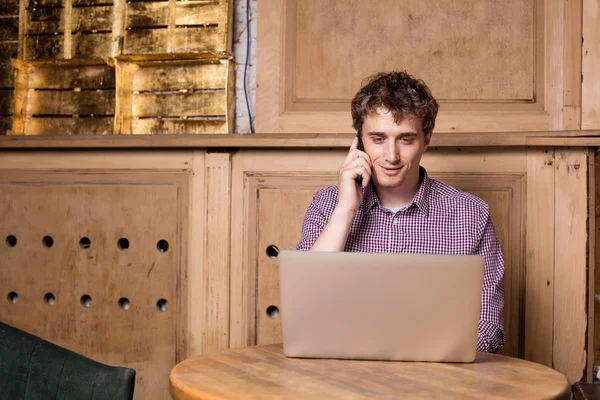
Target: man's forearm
{"x":335,"y":233}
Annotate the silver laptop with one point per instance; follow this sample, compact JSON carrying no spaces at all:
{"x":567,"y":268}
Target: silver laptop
{"x":375,"y":306}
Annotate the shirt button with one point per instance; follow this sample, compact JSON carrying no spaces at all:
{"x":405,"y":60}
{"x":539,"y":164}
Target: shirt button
{"x":396,"y":222}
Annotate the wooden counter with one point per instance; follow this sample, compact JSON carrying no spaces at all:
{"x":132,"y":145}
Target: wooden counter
{"x":473,"y":139}
{"x":203,"y":214}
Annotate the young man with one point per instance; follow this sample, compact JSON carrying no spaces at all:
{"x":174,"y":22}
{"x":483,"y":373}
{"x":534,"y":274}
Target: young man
{"x":399,"y":208}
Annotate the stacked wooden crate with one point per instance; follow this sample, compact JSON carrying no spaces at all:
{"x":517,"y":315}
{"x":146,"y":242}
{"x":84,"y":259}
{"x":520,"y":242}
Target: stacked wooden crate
{"x":128,"y":67}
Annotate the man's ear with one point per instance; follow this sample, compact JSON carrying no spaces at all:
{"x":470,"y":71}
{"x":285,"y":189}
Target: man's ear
{"x":428,"y":139}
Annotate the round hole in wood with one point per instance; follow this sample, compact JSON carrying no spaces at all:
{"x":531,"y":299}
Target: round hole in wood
{"x":86,"y":301}
{"x":162,"y":246}
{"x":272,"y":251}
{"x":85,"y":242}
{"x":124,"y":303}
{"x":123,"y":243}
{"x":47,"y":241}
{"x":11,"y":241}
{"x":49,"y":299}
{"x":162,"y":305}
{"x":273,"y":312}
{"x":13,"y":297}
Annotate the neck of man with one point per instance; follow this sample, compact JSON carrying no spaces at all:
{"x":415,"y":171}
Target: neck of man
{"x":402,"y":195}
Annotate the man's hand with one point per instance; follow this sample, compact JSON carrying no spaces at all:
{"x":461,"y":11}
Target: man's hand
{"x":357,"y":164}
{"x":335,"y":233}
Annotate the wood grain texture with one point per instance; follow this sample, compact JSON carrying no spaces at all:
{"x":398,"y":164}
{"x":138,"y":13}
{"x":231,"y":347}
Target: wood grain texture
{"x":596,"y":215}
{"x":591,"y":265}
{"x":590,"y":106}
{"x":71,"y":102}
{"x":9,"y":7}
{"x":180,"y":104}
{"x":91,"y":45}
{"x":73,"y":126}
{"x":43,"y":47}
{"x":7,"y":101}
{"x":570,"y":320}
{"x":264,"y":371}
{"x":252,"y":172}
{"x":540,"y":245}
{"x":94,"y":18}
{"x":98,"y":76}
{"x":5,"y":125}
{"x":490,"y":55}
{"x":123,"y":325}
{"x":215,"y":334}
{"x":9,"y":29}
{"x":175,"y":96}
{"x":195,"y":316}
{"x":277,"y":187}
{"x":299,"y":141}
{"x":323,"y":108}
{"x":7,"y":74}
{"x":44,"y":20}
{"x":282,"y":202}
{"x":177,"y":27}
{"x":73,"y":99}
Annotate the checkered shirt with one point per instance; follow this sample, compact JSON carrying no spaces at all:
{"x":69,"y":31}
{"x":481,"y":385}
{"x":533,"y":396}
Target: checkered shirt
{"x":440,"y":220}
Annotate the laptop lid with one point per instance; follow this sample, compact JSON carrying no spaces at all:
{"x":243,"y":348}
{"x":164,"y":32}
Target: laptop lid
{"x":406,"y":307}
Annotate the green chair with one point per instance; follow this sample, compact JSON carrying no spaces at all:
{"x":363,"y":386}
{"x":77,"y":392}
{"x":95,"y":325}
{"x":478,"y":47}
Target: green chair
{"x":32,"y":368}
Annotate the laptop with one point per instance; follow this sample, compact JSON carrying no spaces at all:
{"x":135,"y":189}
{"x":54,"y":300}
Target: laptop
{"x":379,"y":306}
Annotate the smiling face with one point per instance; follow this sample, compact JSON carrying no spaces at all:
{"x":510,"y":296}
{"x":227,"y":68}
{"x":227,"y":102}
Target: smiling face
{"x":395,"y":150}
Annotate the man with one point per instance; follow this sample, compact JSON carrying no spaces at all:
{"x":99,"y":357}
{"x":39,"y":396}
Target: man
{"x":399,"y":208}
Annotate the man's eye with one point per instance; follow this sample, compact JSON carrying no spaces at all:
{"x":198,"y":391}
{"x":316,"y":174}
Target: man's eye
{"x":378,"y":140}
{"x":407,"y":139}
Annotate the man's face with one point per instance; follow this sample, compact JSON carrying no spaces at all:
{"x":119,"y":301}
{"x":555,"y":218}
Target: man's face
{"x":395,"y":149}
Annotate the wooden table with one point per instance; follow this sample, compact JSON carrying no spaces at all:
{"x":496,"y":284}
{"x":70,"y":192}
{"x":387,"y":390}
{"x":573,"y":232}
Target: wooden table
{"x":264,"y":372}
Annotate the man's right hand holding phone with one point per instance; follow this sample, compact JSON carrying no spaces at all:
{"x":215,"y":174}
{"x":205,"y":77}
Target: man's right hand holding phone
{"x":357,"y":165}
{"x":350,"y":195}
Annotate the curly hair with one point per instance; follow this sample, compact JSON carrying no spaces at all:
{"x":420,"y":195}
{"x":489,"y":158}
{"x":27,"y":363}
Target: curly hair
{"x":399,"y":93}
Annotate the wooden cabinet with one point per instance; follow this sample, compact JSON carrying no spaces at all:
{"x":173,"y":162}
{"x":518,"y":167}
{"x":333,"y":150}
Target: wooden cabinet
{"x":224,"y":212}
{"x":514,"y":66}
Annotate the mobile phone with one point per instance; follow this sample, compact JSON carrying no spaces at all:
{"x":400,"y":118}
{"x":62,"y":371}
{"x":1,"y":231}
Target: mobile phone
{"x":361,"y":147}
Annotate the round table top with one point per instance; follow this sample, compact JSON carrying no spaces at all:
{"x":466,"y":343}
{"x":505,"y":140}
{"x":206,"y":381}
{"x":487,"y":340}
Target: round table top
{"x":265,"y":372}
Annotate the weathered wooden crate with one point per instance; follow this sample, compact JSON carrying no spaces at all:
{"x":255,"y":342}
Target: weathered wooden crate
{"x":64,"y":98}
{"x":175,"y":96}
{"x":177,"y":27}
{"x":73,"y":29}
{"x":68,"y":29}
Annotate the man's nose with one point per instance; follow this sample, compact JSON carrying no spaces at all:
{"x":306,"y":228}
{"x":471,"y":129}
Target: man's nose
{"x":392,"y":153}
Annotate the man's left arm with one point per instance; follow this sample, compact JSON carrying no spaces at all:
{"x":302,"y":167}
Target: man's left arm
{"x":491,"y":334}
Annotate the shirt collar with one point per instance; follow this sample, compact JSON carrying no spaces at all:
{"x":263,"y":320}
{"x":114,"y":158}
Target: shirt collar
{"x":421,"y":199}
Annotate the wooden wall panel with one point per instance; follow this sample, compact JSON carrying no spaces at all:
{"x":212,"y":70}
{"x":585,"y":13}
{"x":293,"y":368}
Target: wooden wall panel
{"x":252,"y":172}
{"x":215,"y":335}
{"x":276,"y":200}
{"x":540,"y":246}
{"x":280,"y":198}
{"x":519,"y":75}
{"x":108,"y":283}
{"x":590,"y":107}
{"x":570,"y":316}
{"x":323,"y":70}
{"x":99,"y":193}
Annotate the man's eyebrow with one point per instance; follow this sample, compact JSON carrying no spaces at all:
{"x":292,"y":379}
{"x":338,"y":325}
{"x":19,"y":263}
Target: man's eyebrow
{"x":409,"y":133}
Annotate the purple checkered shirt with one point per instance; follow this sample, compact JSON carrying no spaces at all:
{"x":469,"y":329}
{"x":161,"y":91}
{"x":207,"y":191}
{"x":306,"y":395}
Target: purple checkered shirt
{"x":440,"y":220}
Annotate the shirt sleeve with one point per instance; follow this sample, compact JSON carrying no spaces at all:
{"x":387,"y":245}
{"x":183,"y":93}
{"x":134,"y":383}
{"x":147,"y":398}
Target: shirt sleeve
{"x":312,"y":226}
{"x":491,"y":335}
